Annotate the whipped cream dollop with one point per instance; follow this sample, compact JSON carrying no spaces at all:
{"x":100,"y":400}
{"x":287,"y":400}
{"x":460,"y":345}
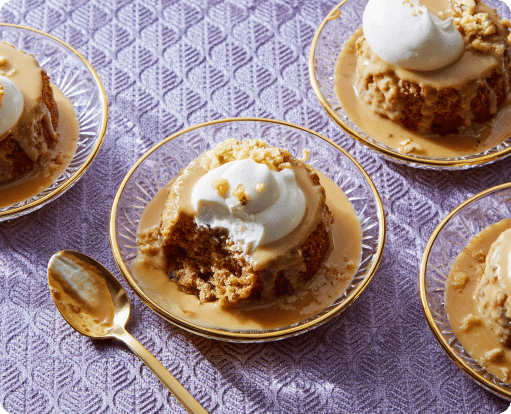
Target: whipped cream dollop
{"x":255,"y":204}
{"x":11,"y":105}
{"x":406,"y":34}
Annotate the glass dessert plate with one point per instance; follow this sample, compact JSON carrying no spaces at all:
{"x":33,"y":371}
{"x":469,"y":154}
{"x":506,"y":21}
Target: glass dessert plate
{"x":449,"y":238}
{"x":80,"y":83}
{"x":164,"y":162}
{"x":330,"y":38}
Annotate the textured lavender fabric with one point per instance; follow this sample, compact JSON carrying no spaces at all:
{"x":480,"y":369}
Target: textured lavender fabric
{"x":167,"y":65}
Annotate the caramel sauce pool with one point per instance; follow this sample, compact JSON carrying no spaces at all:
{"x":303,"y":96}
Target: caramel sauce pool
{"x":323,"y":289}
{"x":390,"y":134}
{"x":478,"y":339}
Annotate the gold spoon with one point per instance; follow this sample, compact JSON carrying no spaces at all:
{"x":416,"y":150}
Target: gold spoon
{"x":95,"y":304}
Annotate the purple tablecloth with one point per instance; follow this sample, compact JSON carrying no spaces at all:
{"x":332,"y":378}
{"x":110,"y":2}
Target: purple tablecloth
{"x":167,"y":65}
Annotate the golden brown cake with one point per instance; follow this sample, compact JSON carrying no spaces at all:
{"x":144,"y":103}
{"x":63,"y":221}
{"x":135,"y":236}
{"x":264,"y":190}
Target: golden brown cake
{"x":207,"y":262}
{"x":25,"y":146}
{"x":443,"y":101}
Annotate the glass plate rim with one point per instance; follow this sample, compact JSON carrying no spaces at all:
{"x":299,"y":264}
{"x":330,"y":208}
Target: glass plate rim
{"x":36,"y":204}
{"x":246,"y":336}
{"x":390,"y":154}
{"x":478,"y":378}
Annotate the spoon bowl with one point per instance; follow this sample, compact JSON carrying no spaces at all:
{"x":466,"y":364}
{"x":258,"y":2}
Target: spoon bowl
{"x":84,"y":289}
{"x":95,"y":304}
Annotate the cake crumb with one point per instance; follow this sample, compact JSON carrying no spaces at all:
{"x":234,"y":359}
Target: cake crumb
{"x":241,"y":194}
{"x":505,"y":373}
{"x":220,"y":185}
{"x":491,"y":356}
{"x":480,"y":257}
{"x":407,"y":146}
{"x":499,"y":299}
{"x":12,"y":72}
{"x":469,"y":321}
{"x":305,"y":155}
{"x":459,"y":280}
{"x":149,"y":236}
{"x":260,"y":187}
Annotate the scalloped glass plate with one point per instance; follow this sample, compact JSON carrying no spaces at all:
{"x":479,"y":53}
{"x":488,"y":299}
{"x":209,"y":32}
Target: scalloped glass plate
{"x":79,"y":82}
{"x":329,"y":40}
{"x":164,"y":161}
{"x":449,"y":238}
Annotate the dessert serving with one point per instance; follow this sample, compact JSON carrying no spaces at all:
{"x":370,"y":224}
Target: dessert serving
{"x":430,"y":78}
{"x":248,"y":237}
{"x":478,"y":300}
{"x":38,"y":127}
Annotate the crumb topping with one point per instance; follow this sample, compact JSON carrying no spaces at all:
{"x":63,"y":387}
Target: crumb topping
{"x":276,"y":159}
{"x":220,"y":185}
{"x":241,"y":194}
{"x":260,"y":187}
{"x":480,"y":29}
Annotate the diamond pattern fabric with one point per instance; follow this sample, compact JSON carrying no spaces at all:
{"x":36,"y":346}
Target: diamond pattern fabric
{"x":167,"y":65}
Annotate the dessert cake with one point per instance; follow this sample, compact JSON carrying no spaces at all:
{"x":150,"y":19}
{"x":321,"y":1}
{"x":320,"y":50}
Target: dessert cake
{"x":279,"y":193}
{"x":461,"y":95}
{"x":25,"y":144}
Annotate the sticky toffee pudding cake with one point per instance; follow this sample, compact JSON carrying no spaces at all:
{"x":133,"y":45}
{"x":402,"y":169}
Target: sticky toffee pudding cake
{"x":465,"y":93}
{"x":27,"y":143}
{"x":460,"y":104}
{"x":247,"y":236}
{"x":38,"y":127}
{"x":207,"y":261}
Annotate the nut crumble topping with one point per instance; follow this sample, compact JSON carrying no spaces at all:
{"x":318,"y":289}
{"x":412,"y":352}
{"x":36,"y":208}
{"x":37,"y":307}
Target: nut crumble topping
{"x":240,"y":193}
{"x":276,"y":159}
{"x":220,"y":185}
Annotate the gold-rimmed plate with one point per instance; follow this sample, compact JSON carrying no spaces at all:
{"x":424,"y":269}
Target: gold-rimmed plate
{"x":450,"y":237}
{"x":79,"y":82}
{"x":331,"y":36}
{"x":165,"y":160}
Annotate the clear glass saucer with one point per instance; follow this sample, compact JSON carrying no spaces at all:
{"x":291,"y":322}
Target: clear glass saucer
{"x":449,"y":238}
{"x":164,"y":162}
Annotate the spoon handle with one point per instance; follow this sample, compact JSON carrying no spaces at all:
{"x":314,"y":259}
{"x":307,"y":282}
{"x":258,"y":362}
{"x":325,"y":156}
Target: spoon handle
{"x":181,"y":394}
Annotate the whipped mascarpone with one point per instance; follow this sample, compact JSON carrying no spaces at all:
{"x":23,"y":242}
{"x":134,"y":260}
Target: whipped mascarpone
{"x":255,"y":204}
{"x":404,"y":33}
